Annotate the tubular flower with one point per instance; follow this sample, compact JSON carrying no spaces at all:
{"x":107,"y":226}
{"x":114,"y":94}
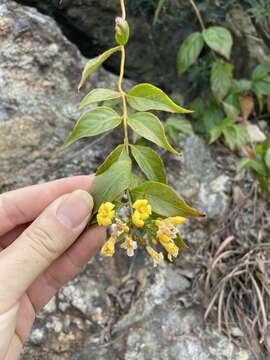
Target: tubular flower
{"x":108,"y":248}
{"x":119,"y":228}
{"x":105,"y":214}
{"x":177,"y":220}
{"x":143,"y":208}
{"x":171,"y":249}
{"x":137,"y":220}
{"x":156,"y":257}
{"x":129,"y":245}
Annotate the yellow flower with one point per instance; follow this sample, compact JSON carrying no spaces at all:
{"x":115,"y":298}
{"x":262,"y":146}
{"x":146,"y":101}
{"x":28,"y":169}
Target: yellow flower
{"x":137,"y":220}
{"x":177,"y":220}
{"x":171,"y":248}
{"x":108,"y":248}
{"x":119,"y":228}
{"x":156,"y":257}
{"x":164,"y":238}
{"x":105,"y":214}
{"x":129,"y":245}
{"x":143,"y":208}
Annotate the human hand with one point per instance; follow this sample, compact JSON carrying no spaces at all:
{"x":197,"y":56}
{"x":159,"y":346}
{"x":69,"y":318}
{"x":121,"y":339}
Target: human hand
{"x":42,"y":246}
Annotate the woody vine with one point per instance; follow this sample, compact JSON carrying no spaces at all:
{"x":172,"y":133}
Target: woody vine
{"x":137,"y":206}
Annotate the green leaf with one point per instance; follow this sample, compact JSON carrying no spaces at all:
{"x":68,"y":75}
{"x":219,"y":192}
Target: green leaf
{"x":112,"y":183}
{"x":180,"y":124}
{"x":240,"y":86}
{"x":231,"y":111}
{"x":98,"y":95}
{"x":112,"y":158}
{"x":267,"y":158}
{"x":219,"y":39}
{"x":189,"y":51}
{"x":135,"y":180}
{"x":235,"y":136}
{"x":95,"y":63}
{"x":94,"y":122}
{"x":262,"y":87}
{"x":221,"y":79}
{"x":150,"y":127}
{"x":260,"y":72}
{"x":198,"y":108}
{"x":149,"y":162}
{"x":144,"y":97}
{"x":164,"y":200}
{"x":243,"y":164}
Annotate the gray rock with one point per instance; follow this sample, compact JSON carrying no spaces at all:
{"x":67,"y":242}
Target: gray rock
{"x":90,"y":24}
{"x":37,"y":336}
{"x":88,"y":297}
{"x":197,"y":178}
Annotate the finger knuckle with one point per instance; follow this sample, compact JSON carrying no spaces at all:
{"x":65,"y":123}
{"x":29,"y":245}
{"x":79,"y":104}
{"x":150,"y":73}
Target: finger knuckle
{"x":42,"y":242}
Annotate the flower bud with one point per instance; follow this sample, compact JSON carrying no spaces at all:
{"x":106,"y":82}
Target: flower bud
{"x":121,"y":31}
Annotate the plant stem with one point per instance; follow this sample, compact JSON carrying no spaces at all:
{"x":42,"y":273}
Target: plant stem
{"x":123,"y":95}
{"x":123,"y":8}
{"x":198,"y":14}
{"x":200,"y":19}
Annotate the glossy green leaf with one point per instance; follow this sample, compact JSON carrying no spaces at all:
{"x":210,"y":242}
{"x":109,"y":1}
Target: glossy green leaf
{"x":150,"y":127}
{"x":95,"y":63}
{"x":221,"y":79}
{"x":112,"y":158}
{"x":189,"y":51}
{"x":149,"y":162}
{"x":260,"y":72}
{"x":94,"y":122}
{"x":180,"y":124}
{"x":144,"y":97}
{"x":112,"y":183}
{"x":98,"y":95}
{"x":219,"y":39}
{"x":217,"y":131}
{"x":164,"y":200}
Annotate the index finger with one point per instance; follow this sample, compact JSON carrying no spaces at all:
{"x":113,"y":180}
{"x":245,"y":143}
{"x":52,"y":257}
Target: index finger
{"x":24,"y":205}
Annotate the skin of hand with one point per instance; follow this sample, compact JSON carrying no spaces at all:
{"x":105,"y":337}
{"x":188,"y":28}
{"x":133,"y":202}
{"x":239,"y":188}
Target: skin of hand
{"x":43,"y":244}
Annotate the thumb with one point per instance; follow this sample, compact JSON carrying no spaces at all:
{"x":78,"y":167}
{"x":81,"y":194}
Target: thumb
{"x":41,"y":243}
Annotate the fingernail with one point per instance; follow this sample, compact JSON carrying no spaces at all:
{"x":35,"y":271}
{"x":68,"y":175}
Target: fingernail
{"x":75,"y":209}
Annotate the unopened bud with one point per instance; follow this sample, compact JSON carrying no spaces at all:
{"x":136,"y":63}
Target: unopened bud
{"x":121,"y":31}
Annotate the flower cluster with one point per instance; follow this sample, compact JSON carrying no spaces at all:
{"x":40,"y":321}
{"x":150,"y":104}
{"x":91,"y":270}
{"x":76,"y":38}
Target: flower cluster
{"x":142,"y":226}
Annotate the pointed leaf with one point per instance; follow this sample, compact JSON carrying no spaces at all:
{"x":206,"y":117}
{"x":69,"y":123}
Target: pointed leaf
{"x":221,"y":79}
{"x":112,"y":158}
{"x":112,"y":183}
{"x":164,"y":200}
{"x":98,"y":95}
{"x":95,"y":63}
{"x":135,"y":181}
{"x":150,"y":127}
{"x":189,"y":51}
{"x":149,"y":162}
{"x":219,"y":39}
{"x":144,"y":97}
{"x":94,"y":122}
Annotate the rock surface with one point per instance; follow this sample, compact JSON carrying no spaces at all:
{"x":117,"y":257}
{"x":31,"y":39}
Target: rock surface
{"x":116,"y":308}
{"x":152,"y":55}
